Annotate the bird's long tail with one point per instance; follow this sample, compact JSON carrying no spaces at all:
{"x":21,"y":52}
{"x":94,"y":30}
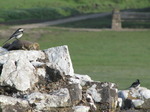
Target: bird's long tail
{"x":6,"y":41}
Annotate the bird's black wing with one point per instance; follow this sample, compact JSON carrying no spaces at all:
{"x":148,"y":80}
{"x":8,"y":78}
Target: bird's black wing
{"x":16,"y":33}
{"x":135,"y":84}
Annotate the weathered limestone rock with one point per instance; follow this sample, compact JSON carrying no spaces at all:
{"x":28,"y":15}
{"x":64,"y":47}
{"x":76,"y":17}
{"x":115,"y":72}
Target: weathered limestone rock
{"x":104,"y":93}
{"x":12,"y":101}
{"x":41,"y":72}
{"x":21,"y":69}
{"x":59,"y":98}
{"x":83,"y":78}
{"x":90,"y":102}
{"x":75,"y":93}
{"x":2,"y":50}
{"x":58,"y":57}
{"x":21,"y":54}
{"x":81,"y":109}
{"x":80,"y":79}
{"x":94,"y":93}
{"x":136,"y":98}
{"x":17,"y":70}
{"x":15,"y":108}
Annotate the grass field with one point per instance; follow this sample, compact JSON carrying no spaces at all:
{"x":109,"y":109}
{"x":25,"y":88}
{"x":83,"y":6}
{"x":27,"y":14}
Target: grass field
{"x":116,"y":56}
{"x":36,"y":10}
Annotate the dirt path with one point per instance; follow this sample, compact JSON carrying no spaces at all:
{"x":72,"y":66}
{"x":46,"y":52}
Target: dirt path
{"x":60,"y":21}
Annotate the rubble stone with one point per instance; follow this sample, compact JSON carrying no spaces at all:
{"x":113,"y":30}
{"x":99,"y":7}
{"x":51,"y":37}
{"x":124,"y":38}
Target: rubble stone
{"x":59,"y":57}
{"x":59,"y":98}
{"x":81,"y":109}
{"x":75,"y":93}
{"x":138,"y":97}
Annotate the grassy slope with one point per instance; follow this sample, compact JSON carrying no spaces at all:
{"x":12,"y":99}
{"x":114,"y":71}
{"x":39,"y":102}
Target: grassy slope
{"x":96,"y":4}
{"x":119,"y":57}
{"x":52,"y":9}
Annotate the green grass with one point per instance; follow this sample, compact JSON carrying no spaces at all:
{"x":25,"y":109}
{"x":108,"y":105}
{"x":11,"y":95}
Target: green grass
{"x":119,"y":57}
{"x":83,"y":5}
{"x":46,"y":9}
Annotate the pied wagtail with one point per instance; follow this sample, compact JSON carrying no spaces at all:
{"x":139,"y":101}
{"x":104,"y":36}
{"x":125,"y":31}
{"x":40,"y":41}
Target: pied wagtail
{"x":135,"y":84}
{"x":17,"y":34}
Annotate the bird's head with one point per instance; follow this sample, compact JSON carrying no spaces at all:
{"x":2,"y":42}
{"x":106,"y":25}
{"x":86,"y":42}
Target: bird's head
{"x":20,"y":29}
{"x":138,"y":80}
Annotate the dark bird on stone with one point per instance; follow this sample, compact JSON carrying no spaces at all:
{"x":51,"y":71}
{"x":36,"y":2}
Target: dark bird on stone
{"x":17,"y":34}
{"x":135,"y":84}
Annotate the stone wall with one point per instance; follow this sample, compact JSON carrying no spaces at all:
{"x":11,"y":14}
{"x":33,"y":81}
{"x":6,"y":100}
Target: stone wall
{"x":44,"y":81}
{"x":116,"y":20}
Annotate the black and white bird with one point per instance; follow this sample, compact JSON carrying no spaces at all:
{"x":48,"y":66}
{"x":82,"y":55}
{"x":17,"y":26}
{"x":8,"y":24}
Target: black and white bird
{"x":135,"y":84}
{"x":17,"y":34}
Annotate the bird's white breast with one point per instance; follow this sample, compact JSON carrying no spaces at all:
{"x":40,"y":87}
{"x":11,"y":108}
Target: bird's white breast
{"x":19,"y":36}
